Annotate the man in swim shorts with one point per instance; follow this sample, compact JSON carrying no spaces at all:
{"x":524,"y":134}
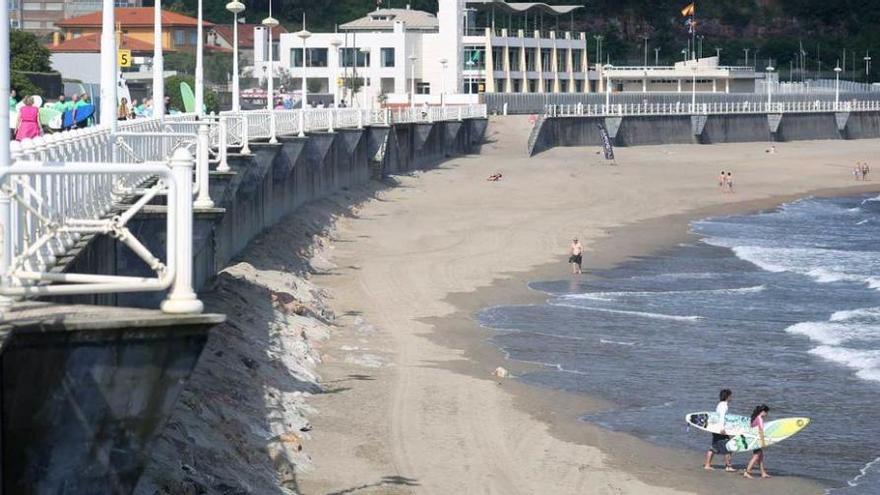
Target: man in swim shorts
{"x":719,"y":440}
{"x":576,"y":256}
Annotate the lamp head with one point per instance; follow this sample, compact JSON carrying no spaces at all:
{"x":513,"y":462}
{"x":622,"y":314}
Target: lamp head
{"x":235,"y":7}
{"x":270,"y":22}
{"x":303,"y":34}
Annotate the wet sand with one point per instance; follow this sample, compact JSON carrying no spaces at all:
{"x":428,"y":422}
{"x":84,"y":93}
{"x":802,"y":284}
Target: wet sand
{"x":414,"y":407}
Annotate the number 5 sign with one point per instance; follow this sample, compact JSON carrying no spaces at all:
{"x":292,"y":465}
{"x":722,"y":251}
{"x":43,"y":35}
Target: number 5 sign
{"x":123,"y":58}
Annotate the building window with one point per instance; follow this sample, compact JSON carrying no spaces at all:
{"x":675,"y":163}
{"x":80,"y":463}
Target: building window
{"x":546,"y":60}
{"x":179,"y":37}
{"x":349,"y":56}
{"x":193,"y":38}
{"x":473,"y":85}
{"x":387,"y":56}
{"x":317,"y":57}
{"x":576,"y":60}
{"x":533,"y":85}
{"x":423,"y":88}
{"x":517,"y":85}
{"x":499,"y":85}
{"x":54,"y":6}
{"x":579,"y":86}
{"x":562,"y":60}
{"x":513,"y":55}
{"x":530,"y":59}
{"x":563,"y":86}
{"x":497,"y":58}
{"x":474,"y":58}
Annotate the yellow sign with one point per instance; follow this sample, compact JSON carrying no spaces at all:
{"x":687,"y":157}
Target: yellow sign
{"x":340,"y":82}
{"x":123,"y":58}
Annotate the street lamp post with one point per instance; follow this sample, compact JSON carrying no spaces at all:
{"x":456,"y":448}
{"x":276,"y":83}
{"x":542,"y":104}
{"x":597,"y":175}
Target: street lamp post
{"x":646,"y":38}
{"x":270,"y":23}
{"x":108,"y":66}
{"x":412,"y":80}
{"x":200,"y":66}
{"x":867,"y":60}
{"x":607,"y":68}
{"x":837,"y":87}
{"x":236,"y":8}
{"x":657,"y":56}
{"x":694,"y":88}
{"x":443,"y":64}
{"x":746,"y":51}
{"x":336,"y":43}
{"x":303,"y":34}
{"x":367,"y":88}
{"x":158,"y":63}
{"x":770,"y":70}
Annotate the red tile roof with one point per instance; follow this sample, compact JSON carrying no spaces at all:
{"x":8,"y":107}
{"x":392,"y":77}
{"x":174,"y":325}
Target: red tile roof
{"x":245,"y":34}
{"x":91,"y":43}
{"x":132,"y":17}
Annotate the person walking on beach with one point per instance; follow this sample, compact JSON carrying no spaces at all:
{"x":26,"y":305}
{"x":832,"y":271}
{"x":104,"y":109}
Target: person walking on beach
{"x":719,"y":440}
{"x":857,"y":171}
{"x":865,"y":170}
{"x":758,"y":416}
{"x":722,"y":181}
{"x":576,"y":252}
{"x":729,"y":182}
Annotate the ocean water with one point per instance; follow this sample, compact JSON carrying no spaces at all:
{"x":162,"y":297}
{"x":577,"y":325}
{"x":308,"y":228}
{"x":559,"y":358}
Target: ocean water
{"x":782,"y":307}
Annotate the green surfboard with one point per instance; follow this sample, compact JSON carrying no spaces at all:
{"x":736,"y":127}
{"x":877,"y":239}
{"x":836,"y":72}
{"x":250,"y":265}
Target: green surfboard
{"x":189,"y":99}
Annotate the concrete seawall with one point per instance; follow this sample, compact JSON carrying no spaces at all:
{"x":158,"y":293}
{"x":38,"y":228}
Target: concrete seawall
{"x":703,"y":129}
{"x":81,"y":403}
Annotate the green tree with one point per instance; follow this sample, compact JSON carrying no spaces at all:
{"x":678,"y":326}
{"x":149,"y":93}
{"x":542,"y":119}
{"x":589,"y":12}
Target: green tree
{"x":172,"y":91}
{"x":28,"y":54}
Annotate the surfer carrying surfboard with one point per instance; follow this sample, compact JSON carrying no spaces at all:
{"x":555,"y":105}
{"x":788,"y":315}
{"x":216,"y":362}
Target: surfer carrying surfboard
{"x":758,"y":416}
{"x":720,"y":439}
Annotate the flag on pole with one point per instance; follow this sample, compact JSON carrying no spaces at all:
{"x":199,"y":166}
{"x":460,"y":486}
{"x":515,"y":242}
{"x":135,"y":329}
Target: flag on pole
{"x":689,"y":10}
{"x":691,"y":25}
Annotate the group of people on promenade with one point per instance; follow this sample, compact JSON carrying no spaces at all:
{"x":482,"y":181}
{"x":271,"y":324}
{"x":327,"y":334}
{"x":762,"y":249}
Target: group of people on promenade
{"x":134,"y":110}
{"x":725,"y":182}
{"x":28,"y":123}
{"x":719,"y":440}
{"x":861,"y":171}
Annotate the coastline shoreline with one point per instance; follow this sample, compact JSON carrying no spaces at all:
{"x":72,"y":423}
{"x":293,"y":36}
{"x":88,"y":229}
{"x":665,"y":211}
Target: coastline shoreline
{"x":562,"y":410}
{"x":408,"y":347}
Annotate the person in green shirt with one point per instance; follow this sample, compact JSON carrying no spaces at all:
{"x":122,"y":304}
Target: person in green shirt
{"x":83,"y":101}
{"x":61,"y":104}
{"x":12,"y":99}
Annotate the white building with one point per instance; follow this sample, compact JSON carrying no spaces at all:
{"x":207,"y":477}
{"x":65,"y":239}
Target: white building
{"x":470,"y":47}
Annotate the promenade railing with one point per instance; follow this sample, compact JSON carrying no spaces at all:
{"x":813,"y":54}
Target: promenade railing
{"x":63,"y":187}
{"x":711,"y":108}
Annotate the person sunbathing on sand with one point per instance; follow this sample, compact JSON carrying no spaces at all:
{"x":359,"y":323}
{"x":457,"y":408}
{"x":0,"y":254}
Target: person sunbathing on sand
{"x":494,"y":177}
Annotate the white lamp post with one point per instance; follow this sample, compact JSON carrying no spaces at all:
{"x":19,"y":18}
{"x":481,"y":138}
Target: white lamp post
{"x":336,"y":43}
{"x":200,"y":67}
{"x":694,"y":88}
{"x":412,"y":80}
{"x":303,"y":34}
{"x":236,"y":8}
{"x":837,"y":87}
{"x":770,"y":70}
{"x":5,"y":200}
{"x":158,"y":63}
{"x":443,"y":63}
{"x":270,"y":22}
{"x":607,"y":68}
{"x":367,"y":87}
{"x":108,"y":66}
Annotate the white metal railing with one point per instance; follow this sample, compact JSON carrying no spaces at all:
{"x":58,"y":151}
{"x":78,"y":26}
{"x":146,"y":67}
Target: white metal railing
{"x":52,"y":204}
{"x":93,"y":181}
{"x":711,"y":108}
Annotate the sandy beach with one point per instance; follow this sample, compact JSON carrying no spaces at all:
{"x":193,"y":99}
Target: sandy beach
{"x":412,"y":404}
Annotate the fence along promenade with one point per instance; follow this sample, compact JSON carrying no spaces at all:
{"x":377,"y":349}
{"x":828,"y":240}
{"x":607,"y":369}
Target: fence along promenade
{"x":709,"y":108}
{"x":63,"y":187}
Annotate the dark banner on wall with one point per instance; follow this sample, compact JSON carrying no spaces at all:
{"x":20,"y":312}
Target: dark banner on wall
{"x":607,"y":147}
